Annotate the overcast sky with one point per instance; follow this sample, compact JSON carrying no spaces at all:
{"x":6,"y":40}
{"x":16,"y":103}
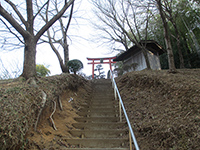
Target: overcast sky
{"x":80,"y":47}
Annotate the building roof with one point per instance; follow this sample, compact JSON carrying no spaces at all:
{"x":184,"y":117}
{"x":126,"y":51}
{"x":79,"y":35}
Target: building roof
{"x":151,"y":45}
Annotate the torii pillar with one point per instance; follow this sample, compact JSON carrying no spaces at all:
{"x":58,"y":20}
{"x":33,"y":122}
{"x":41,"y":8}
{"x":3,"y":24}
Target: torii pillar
{"x":109,"y":60}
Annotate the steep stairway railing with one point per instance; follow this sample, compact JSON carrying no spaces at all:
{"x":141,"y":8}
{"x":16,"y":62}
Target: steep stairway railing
{"x":121,"y":107}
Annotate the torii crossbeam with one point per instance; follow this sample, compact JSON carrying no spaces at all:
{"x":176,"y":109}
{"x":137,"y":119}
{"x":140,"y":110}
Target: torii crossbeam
{"x":107,"y":60}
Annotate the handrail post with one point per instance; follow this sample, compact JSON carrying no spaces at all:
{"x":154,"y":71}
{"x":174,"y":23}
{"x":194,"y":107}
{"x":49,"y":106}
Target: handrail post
{"x":130,"y":141}
{"x":120,"y":112}
{"x":115,"y":93}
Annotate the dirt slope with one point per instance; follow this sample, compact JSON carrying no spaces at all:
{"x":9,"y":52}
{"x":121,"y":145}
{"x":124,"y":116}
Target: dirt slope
{"x":20,"y":104}
{"x":164,"y":108}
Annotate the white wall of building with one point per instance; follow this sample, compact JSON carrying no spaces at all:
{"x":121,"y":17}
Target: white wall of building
{"x":140,"y":60}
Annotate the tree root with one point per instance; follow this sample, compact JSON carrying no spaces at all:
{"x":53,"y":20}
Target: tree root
{"x":37,"y":145}
{"x":62,"y":144}
{"x":44,"y":99}
{"x":32,"y":82}
{"x":54,"y":110}
{"x":60,"y":103}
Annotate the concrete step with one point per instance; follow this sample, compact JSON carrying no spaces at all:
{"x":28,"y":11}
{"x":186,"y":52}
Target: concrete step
{"x":102,"y":94}
{"x":97,"y":142}
{"x":102,"y":81}
{"x":105,"y":88}
{"x":103,"y":107}
{"x":95,"y":149}
{"x":102,"y":99}
{"x":100,"y":87}
{"x":102,"y":103}
{"x":98,"y":114}
{"x":99,"y":133}
{"x":100,"y":125}
{"x":110,"y":104}
{"x":97,"y":106}
{"x":97,"y":119}
{"x":114,"y":110}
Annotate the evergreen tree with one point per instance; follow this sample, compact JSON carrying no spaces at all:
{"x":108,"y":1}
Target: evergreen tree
{"x":100,"y":75}
{"x":75,"y":65}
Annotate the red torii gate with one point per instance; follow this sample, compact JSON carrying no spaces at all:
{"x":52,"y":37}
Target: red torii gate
{"x":101,"y":61}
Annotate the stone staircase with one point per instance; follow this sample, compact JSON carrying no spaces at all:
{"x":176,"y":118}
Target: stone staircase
{"x":98,"y":127}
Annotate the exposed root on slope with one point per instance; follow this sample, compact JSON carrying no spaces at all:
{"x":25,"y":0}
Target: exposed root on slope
{"x":54,"y":110}
{"x":60,"y":103}
{"x":26,"y":107}
{"x":44,"y":99}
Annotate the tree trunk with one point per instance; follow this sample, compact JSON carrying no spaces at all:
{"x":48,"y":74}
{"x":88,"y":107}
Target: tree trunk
{"x":170,"y":54}
{"x":29,"y":69}
{"x":182,"y":65}
{"x":144,"y":51}
{"x":66,"y":54}
{"x":193,"y":37}
{"x":173,"y":21}
{"x":187,"y":52}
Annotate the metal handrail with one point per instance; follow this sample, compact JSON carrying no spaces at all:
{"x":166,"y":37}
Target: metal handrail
{"x":124,"y":110}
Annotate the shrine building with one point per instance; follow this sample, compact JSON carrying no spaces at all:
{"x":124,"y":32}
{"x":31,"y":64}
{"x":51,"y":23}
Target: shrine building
{"x":134,"y":55}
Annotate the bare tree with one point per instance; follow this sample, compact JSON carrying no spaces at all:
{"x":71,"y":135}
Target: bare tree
{"x":172,"y":18}
{"x":122,"y":22}
{"x":27,"y":29}
{"x":170,"y":54}
{"x":60,"y":41}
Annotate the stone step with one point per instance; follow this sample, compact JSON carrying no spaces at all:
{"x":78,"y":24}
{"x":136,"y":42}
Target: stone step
{"x":97,"y":106}
{"x":102,"y":89}
{"x":99,"y":133}
{"x":107,"y":86}
{"x":102,"y":103}
{"x":102,"y":99}
{"x":102,"y":81}
{"x":98,"y":142}
{"x":95,"y":149}
{"x":102,"y":94}
{"x":97,"y":119}
{"x":111,"y":104}
{"x":103,"y":107}
{"x":114,"y":110}
{"x":98,"y":114}
{"x":100,"y":125}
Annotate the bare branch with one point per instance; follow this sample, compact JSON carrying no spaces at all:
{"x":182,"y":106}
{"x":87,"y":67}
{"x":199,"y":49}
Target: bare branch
{"x":40,"y":9}
{"x":17,"y":12}
{"x":70,"y":17}
{"x":13,"y":22}
{"x":53,"y":20}
{"x":12,"y":31}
